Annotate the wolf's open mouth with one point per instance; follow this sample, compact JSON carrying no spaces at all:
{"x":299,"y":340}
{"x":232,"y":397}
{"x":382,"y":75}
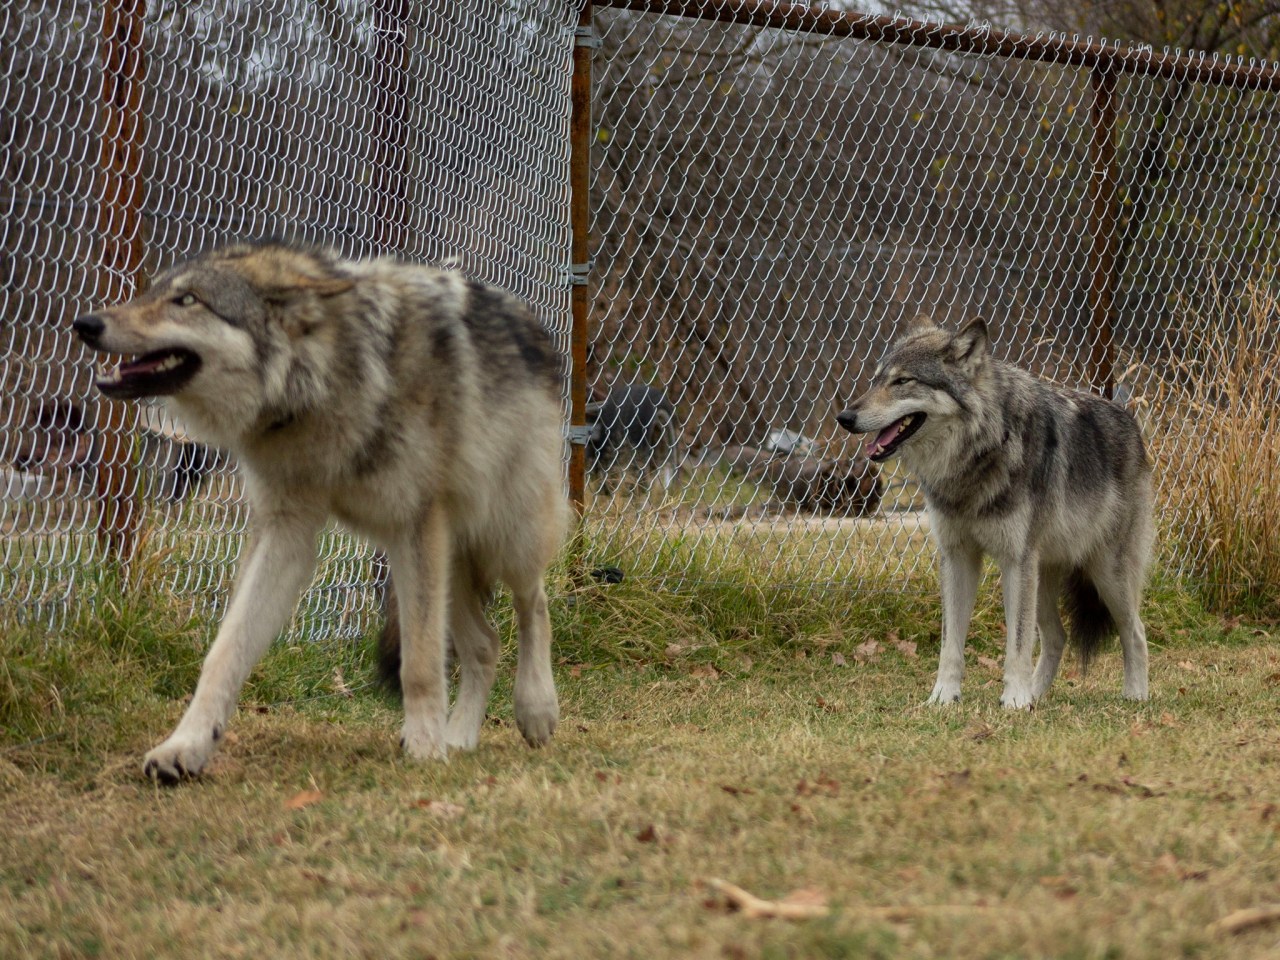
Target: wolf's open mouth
{"x":155,"y":374}
{"x":893,"y":436}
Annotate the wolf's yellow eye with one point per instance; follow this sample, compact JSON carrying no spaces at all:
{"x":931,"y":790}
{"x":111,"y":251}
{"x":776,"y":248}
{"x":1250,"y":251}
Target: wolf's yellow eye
{"x":901,"y":381}
{"x":186,"y":300}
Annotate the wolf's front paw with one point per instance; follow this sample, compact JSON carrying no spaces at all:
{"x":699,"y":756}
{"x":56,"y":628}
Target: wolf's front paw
{"x":537,"y":722}
{"x":1017,"y":698}
{"x":943,"y":695}
{"x":1136,"y":690}
{"x":178,"y":758}
{"x":422,"y":741}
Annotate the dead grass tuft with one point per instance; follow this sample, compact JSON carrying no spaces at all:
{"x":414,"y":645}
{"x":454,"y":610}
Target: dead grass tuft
{"x":1215,"y":435}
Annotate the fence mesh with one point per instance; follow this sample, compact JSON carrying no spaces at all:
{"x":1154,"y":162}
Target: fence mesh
{"x":769,"y":207}
{"x":425,"y":130}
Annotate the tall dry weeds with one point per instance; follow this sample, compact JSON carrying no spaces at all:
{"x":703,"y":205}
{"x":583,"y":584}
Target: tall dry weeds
{"x":1215,"y":436}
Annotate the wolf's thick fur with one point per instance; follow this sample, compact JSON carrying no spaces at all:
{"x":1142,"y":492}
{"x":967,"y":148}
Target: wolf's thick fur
{"x":1054,"y":484}
{"x":418,"y":407}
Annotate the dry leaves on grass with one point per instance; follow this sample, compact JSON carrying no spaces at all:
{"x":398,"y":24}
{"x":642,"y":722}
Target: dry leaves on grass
{"x":866,"y":652}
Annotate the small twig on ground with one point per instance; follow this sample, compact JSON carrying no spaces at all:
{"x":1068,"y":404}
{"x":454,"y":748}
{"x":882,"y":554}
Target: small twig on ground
{"x":812,"y":904}
{"x":808,"y":907}
{"x":1242,"y":920}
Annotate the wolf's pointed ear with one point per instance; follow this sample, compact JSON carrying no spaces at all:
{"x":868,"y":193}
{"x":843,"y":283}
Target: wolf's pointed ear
{"x":972,"y":342}
{"x":289,"y":288}
{"x":921,"y":323}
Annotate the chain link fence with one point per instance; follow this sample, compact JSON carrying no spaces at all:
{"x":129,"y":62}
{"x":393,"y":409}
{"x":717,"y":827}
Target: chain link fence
{"x":774,"y":190}
{"x":134,"y":136}
{"x":777,"y":190}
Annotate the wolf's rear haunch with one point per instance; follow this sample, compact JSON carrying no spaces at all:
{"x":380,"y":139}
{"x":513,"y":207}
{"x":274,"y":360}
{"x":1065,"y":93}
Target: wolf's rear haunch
{"x":418,"y":407}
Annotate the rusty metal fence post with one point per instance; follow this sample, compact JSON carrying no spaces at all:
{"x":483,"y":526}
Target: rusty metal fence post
{"x":1102,"y":214}
{"x":580,"y":249}
{"x":119,"y":270}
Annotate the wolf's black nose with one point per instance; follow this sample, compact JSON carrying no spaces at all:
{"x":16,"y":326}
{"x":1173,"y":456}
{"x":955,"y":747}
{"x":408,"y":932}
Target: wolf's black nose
{"x":848,"y":419}
{"x":89,"y":328}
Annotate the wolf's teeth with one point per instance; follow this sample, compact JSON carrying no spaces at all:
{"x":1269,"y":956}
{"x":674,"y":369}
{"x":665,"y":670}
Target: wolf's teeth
{"x":906,"y":421}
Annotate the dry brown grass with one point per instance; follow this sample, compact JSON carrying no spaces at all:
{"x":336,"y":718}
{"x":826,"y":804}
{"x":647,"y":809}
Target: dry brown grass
{"x":1214,"y":428}
{"x":1089,"y":828}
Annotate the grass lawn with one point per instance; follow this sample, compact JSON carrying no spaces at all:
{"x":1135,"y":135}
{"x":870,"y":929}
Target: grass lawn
{"x":786,"y":764}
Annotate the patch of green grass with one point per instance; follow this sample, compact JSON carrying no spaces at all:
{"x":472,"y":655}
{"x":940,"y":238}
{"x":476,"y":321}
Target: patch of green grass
{"x":718,"y":725}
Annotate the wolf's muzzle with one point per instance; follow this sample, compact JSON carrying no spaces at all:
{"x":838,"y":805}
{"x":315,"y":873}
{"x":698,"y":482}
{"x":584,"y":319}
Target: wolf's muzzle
{"x":89,"y":328}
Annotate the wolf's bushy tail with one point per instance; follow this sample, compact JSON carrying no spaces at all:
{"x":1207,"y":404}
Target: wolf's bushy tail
{"x":1090,"y":624}
{"x":389,"y":640}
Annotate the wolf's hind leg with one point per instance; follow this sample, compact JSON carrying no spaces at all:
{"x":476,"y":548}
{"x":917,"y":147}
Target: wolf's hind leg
{"x":1123,"y":600}
{"x":477,"y":647}
{"x":1053,"y":636}
{"x":420,"y":565}
{"x":960,"y":568}
{"x":537,"y":710}
{"x":278,"y":564}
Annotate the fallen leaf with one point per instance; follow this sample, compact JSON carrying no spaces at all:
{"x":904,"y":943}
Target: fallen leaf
{"x":867,"y":651}
{"x":988,"y":663}
{"x":906,"y":647}
{"x":340,"y":685}
{"x":735,"y":791}
{"x":705,"y":670}
{"x":823,"y":784}
{"x":1189,"y":666}
{"x":981,"y":731}
{"x":838,"y":660}
{"x":304,"y":799}
{"x":648,"y":835}
{"x":1145,"y":791}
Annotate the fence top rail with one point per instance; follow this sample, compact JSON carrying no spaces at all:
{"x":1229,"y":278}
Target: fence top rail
{"x":979,"y":38}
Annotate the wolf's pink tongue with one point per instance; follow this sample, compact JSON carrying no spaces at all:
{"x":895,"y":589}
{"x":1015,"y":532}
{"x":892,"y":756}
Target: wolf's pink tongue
{"x":883,"y":440}
{"x":888,"y":434}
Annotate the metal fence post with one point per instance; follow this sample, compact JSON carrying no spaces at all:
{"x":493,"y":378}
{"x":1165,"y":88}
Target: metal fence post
{"x":390,"y":154}
{"x":1102,"y":224}
{"x":120,"y":269}
{"x":580,"y":248}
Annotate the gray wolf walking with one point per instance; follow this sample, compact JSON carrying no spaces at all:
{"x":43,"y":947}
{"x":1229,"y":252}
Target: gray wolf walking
{"x":1054,"y":484}
{"x":633,"y":427}
{"x":418,"y":407}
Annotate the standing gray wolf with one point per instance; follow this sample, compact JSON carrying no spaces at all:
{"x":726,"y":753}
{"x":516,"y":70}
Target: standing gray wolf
{"x":633,"y":427}
{"x":418,"y":407}
{"x":1054,"y":484}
